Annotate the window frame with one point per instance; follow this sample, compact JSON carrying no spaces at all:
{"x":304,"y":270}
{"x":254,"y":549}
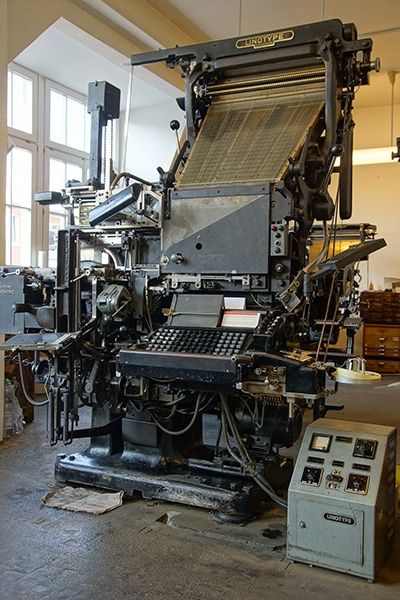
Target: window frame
{"x":32,"y":148}
{"x":48,"y":143}
{"x":38,"y":142}
{"x":18,"y":133}
{"x":64,"y":157}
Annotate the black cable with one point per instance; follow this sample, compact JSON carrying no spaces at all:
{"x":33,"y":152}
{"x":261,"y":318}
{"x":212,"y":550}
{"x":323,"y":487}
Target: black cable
{"x":25,"y":391}
{"x":218,"y":440}
{"x":244,"y":460}
{"x":188,"y":426}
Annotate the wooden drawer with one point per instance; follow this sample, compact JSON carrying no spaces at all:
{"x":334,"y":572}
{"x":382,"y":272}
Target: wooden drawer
{"x":385,"y":331}
{"x":386,"y":351}
{"x":383,"y":366}
{"x":381,"y":337}
{"x":380,"y":307}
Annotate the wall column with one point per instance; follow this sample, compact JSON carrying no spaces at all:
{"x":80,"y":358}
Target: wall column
{"x":3,"y":161}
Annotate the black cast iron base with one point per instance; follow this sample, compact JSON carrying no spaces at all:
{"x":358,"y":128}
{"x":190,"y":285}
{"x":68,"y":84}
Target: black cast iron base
{"x":233,"y":495}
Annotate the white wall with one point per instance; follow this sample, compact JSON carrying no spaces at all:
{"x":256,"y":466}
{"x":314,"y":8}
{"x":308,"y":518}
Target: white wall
{"x":377,"y":201}
{"x":151,"y":142}
{"x":376,"y":195}
{"x":372,"y":128}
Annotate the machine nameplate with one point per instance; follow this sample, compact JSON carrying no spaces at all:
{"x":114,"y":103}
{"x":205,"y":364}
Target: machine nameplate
{"x":6,"y":290}
{"x":265,"y":40}
{"x":339,"y":518}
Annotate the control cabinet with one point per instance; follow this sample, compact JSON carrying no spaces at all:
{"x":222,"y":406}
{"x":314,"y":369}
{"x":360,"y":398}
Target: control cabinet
{"x":341,"y":504}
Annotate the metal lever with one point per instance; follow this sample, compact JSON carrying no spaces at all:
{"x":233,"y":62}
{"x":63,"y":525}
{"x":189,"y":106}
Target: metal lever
{"x":175,"y":125}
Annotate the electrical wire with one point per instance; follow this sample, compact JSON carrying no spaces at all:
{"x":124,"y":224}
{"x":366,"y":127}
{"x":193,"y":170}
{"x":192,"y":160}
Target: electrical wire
{"x":25,"y":391}
{"x":251,"y":469}
{"x":331,"y":331}
{"x":259,"y":303}
{"x":218,"y":440}
{"x":244,"y":459}
{"x":188,"y":426}
{"x":127,"y":175}
{"x":321,"y":337}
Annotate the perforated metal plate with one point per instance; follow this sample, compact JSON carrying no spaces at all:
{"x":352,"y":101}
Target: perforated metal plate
{"x":248,"y":142}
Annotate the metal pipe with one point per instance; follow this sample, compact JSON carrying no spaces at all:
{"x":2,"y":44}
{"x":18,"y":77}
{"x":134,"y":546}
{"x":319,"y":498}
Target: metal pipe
{"x":126,"y":124}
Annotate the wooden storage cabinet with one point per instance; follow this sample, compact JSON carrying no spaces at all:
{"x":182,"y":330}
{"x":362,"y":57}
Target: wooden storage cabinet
{"x":383,"y":366}
{"x":380,"y":307}
{"x":381,"y":347}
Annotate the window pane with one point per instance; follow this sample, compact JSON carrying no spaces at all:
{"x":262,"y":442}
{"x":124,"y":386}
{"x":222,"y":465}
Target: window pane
{"x":75,"y":124}
{"x":58,"y":114}
{"x":87,"y":131}
{"x":74,"y":172}
{"x":8,"y":235}
{"x":56,"y":222}
{"x":20,"y":107}
{"x":9,"y":98}
{"x":9,"y":177}
{"x":19,"y":236}
{"x":57,"y":175}
{"x":21,"y":177}
{"x":60,"y":172}
{"x":19,"y":200}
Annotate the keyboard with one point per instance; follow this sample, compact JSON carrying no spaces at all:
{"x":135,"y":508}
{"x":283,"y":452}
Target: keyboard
{"x":217,"y":342}
{"x":352,"y":322}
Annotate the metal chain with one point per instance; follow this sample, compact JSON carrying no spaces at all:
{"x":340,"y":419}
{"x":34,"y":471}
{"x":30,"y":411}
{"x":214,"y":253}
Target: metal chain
{"x":112,"y":139}
{"x":104,"y":152}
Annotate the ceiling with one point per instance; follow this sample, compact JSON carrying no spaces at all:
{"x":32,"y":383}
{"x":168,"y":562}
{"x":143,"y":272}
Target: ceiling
{"x":90,"y":59}
{"x":379,"y":19}
{"x":46,"y":56}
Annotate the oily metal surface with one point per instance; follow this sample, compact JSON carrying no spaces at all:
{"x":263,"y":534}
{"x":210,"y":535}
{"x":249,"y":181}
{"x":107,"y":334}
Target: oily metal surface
{"x":248,"y":141}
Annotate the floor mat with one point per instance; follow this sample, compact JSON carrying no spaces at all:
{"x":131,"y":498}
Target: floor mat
{"x":83,"y":500}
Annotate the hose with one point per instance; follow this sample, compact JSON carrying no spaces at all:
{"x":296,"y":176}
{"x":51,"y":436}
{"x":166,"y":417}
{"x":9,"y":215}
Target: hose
{"x":127,"y":175}
{"x":244,"y":459}
{"x":188,"y":426}
{"x":24,"y":390}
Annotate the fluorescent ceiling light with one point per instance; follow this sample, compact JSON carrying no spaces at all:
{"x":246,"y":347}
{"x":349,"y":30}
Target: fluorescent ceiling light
{"x":373,"y":156}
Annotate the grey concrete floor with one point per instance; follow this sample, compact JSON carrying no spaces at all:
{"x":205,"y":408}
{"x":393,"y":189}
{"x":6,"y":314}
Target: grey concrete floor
{"x":128,"y":553}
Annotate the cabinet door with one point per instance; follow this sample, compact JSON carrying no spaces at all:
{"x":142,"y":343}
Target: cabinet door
{"x":327,"y":534}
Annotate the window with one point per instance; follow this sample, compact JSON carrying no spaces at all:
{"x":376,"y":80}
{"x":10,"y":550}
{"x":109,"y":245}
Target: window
{"x":69,"y":124}
{"x":49,"y":146}
{"x":60,"y":171}
{"x":20,"y":102}
{"x":67,"y":141}
{"x":21,"y":164}
{"x":19,"y":205}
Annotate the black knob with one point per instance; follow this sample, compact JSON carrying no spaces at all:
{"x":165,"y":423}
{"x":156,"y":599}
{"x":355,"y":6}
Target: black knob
{"x":174,"y":124}
{"x":337,"y":149}
{"x":177,"y":258}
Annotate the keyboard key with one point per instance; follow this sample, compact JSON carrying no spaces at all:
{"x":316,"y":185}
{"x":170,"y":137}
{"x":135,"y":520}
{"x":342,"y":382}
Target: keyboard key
{"x":201,"y":341}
